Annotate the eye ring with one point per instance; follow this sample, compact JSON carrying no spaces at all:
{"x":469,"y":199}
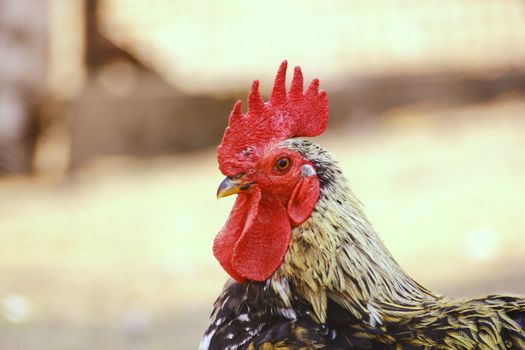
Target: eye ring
{"x":282,"y":164}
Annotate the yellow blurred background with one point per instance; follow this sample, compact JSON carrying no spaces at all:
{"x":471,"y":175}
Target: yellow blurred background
{"x":111,"y":110}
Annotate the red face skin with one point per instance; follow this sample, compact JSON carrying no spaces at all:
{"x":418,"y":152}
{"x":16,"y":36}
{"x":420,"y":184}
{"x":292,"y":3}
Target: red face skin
{"x":274,"y":178}
{"x":276,"y":196}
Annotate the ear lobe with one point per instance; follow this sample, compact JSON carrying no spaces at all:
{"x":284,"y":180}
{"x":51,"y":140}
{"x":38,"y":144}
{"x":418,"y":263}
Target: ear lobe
{"x":303,"y":200}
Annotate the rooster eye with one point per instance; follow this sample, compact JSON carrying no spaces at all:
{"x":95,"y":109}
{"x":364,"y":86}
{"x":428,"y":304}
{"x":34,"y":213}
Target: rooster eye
{"x":282,"y":164}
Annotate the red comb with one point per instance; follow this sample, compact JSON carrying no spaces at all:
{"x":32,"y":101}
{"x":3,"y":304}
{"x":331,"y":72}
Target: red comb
{"x":285,"y":115}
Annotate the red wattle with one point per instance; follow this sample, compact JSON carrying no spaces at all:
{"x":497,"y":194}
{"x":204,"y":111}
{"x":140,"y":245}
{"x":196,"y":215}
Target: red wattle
{"x":255,"y":238}
{"x":264,"y":240}
{"x":229,"y":235}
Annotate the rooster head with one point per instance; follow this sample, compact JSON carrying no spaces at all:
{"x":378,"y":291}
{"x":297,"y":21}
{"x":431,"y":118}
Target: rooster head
{"x":277,"y":186}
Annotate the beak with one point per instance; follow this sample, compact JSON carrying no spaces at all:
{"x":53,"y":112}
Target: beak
{"x":231,"y":186}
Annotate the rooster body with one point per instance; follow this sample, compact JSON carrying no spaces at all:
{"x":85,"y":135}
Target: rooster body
{"x":252,"y":316}
{"x":336,"y":286}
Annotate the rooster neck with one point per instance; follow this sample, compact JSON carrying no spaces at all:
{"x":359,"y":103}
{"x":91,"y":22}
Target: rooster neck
{"x":336,"y":255}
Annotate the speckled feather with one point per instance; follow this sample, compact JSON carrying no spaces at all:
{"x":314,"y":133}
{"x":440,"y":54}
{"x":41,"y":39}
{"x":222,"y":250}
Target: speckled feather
{"x":338,"y":287}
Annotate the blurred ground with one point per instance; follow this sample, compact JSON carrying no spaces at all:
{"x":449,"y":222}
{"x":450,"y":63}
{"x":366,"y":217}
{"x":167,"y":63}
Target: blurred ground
{"x":119,"y":255}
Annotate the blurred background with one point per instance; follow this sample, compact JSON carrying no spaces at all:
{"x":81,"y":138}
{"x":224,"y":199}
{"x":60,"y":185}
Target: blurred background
{"x":111,"y":111}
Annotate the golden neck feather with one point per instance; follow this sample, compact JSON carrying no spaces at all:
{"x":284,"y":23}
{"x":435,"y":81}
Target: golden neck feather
{"x":336,"y":254}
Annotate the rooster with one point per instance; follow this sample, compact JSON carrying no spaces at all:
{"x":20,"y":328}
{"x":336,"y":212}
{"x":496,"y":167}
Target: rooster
{"x":308,"y":270}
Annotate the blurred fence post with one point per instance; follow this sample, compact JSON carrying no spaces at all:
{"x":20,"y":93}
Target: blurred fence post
{"x":23,"y":62}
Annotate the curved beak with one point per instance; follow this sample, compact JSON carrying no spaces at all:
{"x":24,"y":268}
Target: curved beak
{"x":231,"y":186}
